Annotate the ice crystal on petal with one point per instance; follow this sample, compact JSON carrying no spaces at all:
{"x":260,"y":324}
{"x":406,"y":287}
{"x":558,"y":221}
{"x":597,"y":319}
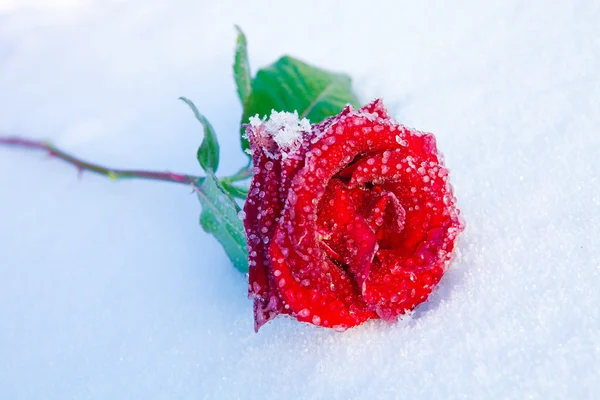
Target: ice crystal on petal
{"x":281,"y":134}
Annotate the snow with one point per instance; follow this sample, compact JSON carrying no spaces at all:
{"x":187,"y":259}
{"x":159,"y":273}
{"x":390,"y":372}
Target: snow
{"x":284,"y":128}
{"x":112,"y":290}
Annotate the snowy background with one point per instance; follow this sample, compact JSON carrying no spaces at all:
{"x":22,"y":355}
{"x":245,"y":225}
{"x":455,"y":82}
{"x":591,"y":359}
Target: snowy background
{"x":112,"y":291}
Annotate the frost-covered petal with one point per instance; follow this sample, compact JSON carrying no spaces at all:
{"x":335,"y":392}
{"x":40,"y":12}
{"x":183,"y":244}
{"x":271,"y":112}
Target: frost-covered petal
{"x":346,"y":234}
{"x":365,"y":220}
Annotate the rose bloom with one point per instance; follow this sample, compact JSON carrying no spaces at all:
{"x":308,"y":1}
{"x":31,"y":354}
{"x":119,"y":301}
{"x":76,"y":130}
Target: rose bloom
{"x":347,"y":220}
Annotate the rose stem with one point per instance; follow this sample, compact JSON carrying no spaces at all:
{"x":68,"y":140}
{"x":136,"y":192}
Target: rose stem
{"x":81,"y":165}
{"x":114,"y":173}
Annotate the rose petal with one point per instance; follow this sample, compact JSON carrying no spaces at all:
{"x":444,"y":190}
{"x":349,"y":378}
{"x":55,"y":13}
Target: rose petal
{"x":399,"y":290}
{"x":419,"y":184}
{"x":375,"y":107}
{"x":262,"y":208}
{"x":346,"y":232}
{"x":385,"y":215}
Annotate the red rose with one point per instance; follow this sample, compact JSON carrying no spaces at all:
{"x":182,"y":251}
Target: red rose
{"x":346,"y":220}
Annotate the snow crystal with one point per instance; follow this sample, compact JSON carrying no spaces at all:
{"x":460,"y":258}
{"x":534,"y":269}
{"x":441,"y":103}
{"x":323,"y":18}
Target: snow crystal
{"x":284,"y":128}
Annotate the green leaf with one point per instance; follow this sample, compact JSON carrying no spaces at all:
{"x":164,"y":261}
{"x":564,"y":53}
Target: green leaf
{"x":208,"y":152}
{"x":234,"y":190}
{"x":292,"y":85}
{"x":220,"y":218}
{"x":241,"y":67}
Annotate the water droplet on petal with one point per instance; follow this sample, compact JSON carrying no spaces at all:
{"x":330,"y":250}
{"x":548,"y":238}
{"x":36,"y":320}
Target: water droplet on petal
{"x":305,"y":312}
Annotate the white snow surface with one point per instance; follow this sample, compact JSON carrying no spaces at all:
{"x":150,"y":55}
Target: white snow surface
{"x":111,"y":290}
